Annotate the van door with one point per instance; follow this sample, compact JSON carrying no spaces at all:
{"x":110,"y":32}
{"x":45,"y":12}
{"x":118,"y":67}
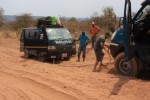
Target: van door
{"x":34,"y":43}
{"x":127,"y":32}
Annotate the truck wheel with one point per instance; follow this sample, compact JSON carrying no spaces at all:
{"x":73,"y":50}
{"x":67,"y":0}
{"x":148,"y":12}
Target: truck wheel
{"x":127,"y":68}
{"x":42,"y":58}
{"x":26,"y":53}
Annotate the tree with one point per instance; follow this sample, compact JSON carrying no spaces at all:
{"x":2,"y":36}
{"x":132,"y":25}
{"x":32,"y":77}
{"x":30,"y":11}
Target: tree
{"x":1,"y":17}
{"x":107,"y":19}
{"x":72,"y":19}
{"x":96,"y":18}
{"x":110,"y":18}
{"x":108,"y":12}
{"x":24,"y":20}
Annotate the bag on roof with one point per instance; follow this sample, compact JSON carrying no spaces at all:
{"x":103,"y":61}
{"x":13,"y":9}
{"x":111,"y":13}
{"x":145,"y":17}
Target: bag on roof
{"x":48,"y":21}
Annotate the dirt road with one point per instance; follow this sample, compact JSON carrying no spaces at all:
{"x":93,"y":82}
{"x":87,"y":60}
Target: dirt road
{"x":30,"y":79}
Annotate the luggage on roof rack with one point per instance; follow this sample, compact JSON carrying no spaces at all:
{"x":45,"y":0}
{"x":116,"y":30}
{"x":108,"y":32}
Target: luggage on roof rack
{"x":49,"y":21}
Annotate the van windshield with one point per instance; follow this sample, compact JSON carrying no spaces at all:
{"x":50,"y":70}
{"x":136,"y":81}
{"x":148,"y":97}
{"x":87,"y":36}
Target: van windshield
{"x":58,"y":33}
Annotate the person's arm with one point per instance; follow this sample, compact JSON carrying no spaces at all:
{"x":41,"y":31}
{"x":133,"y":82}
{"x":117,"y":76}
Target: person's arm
{"x":77,"y":39}
{"x":88,"y":40}
{"x":98,"y":29}
{"x":103,"y":45}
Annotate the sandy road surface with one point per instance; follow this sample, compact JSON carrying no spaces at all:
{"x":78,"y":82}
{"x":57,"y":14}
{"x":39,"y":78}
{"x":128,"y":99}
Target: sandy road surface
{"x":30,"y":79}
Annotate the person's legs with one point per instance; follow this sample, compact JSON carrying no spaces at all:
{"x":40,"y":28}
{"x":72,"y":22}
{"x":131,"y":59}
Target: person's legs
{"x":93,"y":40}
{"x":101,"y":60}
{"x":84,"y":52}
{"x":97,"y":54}
{"x":96,"y":63}
{"x":79,"y":52}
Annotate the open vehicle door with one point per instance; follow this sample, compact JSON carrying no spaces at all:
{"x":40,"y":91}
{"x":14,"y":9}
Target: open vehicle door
{"x":127,"y":33}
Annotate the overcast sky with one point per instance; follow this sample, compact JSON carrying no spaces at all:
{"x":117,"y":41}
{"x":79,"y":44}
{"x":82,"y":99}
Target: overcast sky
{"x":67,"y":8}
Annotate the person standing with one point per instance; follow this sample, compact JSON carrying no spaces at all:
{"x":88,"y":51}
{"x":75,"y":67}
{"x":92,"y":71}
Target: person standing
{"x":99,"y":46}
{"x":84,"y":40}
{"x":94,"y":29}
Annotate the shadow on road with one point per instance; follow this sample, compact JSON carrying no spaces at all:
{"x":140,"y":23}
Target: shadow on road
{"x":51,"y":61}
{"x":122,"y":80}
{"x":119,"y":84}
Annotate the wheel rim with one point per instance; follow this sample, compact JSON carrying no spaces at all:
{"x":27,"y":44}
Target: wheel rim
{"x":125,"y":67}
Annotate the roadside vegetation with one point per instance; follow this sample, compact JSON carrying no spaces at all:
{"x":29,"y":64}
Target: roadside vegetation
{"x":107,"y":21}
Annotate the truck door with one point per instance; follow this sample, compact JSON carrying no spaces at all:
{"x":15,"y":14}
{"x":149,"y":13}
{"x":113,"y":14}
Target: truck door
{"x":127,"y":33}
{"x":142,"y":31}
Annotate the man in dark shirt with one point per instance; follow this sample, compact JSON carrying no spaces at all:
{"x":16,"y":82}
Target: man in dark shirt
{"x":99,"y":46}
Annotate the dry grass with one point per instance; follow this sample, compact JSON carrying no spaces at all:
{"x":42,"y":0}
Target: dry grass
{"x":8,"y":34}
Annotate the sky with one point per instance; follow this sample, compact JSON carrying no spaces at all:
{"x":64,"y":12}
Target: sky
{"x":67,"y":8}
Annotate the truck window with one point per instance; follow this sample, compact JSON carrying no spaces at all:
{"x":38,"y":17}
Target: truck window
{"x":144,"y":13}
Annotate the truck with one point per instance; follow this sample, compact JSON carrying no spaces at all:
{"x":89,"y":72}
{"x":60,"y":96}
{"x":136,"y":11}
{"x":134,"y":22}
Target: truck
{"x":47,"y":41}
{"x":130,"y":43}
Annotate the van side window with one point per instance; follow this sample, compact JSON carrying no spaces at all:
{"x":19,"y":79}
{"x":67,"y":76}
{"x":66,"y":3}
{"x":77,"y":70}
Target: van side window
{"x":27,"y":34}
{"x":37,"y":34}
{"x":32,"y":32}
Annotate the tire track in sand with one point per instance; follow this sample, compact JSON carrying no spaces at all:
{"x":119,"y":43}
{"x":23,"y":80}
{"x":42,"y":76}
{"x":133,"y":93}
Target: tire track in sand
{"x":40,"y":81}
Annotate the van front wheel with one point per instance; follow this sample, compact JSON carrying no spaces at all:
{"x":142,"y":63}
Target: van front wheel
{"x":67,"y":59}
{"x":42,"y":57}
{"x":127,"y":68}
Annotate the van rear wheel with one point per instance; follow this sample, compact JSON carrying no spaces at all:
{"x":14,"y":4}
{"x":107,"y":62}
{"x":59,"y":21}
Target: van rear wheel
{"x":26,"y":53}
{"x":127,"y":68}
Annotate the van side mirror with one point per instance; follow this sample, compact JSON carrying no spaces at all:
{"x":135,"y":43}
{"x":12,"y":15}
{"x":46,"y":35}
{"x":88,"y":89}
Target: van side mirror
{"x":41,"y":36}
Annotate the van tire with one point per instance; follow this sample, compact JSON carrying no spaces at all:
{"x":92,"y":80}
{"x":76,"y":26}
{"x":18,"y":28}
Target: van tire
{"x":26,"y":53}
{"x":67,"y":58}
{"x":42,"y":58}
{"x":129,"y":68}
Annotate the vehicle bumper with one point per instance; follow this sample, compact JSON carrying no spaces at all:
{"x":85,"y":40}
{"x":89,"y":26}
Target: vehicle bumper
{"x":62,"y":54}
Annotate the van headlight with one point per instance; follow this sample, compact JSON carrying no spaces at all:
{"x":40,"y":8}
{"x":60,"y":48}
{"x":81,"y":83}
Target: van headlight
{"x":50,"y":48}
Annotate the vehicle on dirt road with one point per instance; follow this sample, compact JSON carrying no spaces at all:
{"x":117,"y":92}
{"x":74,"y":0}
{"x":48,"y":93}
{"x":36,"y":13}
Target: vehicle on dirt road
{"x":130,"y":44}
{"x":50,"y":41}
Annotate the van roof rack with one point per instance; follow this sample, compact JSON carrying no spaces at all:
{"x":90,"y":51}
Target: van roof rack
{"x":49,"y":22}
